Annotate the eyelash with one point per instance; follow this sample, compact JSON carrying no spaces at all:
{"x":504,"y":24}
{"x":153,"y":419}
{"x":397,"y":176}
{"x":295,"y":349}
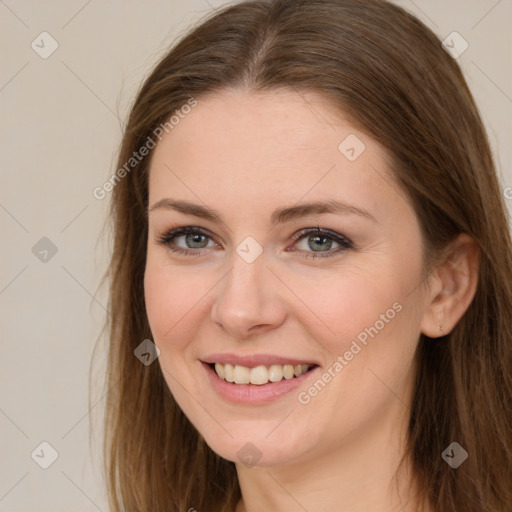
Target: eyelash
{"x":167,"y":240}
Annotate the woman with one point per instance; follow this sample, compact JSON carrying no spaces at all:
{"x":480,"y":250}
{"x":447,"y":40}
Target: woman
{"x":309,"y":228}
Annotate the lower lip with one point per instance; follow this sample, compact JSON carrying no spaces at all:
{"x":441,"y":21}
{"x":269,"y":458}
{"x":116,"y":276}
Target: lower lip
{"x":252,"y":393}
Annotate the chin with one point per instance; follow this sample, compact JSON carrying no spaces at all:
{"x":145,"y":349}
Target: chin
{"x":257,"y":448}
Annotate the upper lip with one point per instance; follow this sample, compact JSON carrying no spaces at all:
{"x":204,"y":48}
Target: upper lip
{"x":253,"y":360}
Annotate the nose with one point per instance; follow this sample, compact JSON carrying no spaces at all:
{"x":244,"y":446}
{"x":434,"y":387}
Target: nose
{"x":248,"y":300}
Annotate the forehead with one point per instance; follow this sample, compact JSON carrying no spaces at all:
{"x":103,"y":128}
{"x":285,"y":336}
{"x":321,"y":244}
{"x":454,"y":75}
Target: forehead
{"x":274,"y":147}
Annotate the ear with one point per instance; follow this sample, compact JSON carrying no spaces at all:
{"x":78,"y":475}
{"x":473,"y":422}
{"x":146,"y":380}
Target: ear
{"x":453,"y":285}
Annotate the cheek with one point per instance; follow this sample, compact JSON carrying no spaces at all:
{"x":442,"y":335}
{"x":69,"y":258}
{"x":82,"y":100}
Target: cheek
{"x":373,"y":323}
{"x":350,"y":300}
{"x":173,"y":303}
{"x":172,"y":297}
{"x":377,"y":325}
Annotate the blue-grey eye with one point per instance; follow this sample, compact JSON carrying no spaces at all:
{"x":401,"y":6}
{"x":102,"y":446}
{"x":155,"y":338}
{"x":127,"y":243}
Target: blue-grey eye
{"x":317,"y":243}
{"x":195,"y":241}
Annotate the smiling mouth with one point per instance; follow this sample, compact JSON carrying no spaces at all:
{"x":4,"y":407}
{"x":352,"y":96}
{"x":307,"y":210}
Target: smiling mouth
{"x":259,"y":375}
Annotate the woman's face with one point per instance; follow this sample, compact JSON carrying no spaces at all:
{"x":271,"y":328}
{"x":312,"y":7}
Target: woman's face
{"x":260,"y":286}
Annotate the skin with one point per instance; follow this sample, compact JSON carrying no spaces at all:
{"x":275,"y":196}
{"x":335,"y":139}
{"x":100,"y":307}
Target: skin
{"x":245,"y":154}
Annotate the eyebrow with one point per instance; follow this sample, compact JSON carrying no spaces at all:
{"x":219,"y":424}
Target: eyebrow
{"x":278,"y":216}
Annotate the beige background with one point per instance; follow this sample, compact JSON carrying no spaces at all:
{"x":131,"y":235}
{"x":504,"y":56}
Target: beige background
{"x":61,"y":125}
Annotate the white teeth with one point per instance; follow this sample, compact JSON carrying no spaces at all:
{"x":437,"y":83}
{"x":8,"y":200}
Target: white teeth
{"x":259,"y":375}
{"x":228,"y":372}
{"x":275,"y":373}
{"x":241,"y":374}
{"x":288,"y":371}
{"x":219,"y":368}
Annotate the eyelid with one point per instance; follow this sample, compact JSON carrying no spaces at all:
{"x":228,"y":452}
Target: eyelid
{"x":172,"y":233}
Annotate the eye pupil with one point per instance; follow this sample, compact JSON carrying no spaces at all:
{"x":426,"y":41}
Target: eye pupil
{"x":194,"y":238}
{"x":322,"y":243}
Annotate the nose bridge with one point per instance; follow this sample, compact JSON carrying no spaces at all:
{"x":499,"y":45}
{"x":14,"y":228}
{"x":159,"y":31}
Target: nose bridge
{"x":247,"y":298}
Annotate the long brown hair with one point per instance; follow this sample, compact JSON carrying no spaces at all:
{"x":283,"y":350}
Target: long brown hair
{"x":389,"y":74}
